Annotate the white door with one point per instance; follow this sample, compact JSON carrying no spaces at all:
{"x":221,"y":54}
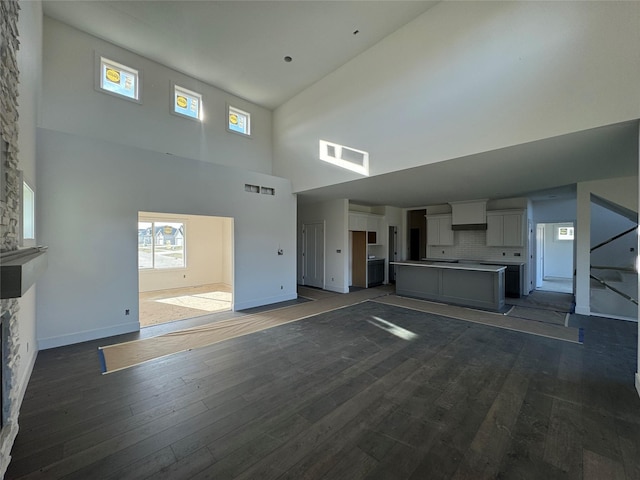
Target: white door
{"x":313,"y":254}
{"x":539,"y":254}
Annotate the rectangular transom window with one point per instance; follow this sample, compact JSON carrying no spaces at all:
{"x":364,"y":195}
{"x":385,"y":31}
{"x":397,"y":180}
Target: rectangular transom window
{"x":161,"y":244}
{"x":345,"y":157}
{"x":187,"y":103}
{"x":238,"y":121}
{"x":119,"y":80}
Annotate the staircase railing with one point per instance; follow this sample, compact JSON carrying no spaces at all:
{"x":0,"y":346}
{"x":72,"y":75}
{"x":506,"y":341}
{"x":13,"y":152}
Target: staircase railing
{"x":613,"y":289}
{"x":606,"y":242}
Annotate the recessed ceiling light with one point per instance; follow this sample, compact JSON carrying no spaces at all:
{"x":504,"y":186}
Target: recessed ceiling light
{"x":288,"y":59}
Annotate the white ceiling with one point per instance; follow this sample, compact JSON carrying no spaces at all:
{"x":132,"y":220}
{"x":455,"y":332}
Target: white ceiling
{"x":542,"y":170}
{"x":239,"y":46}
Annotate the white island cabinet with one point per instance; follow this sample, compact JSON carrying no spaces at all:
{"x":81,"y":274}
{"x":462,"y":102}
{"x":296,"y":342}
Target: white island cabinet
{"x":468,"y":285}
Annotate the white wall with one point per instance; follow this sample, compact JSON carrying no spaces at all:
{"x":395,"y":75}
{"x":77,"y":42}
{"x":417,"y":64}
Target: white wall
{"x":335,"y":216}
{"x":91,"y":192}
{"x":72,"y":105}
{"x":554,"y":210}
{"x":207,"y":252}
{"x":434,"y":85}
{"x":30,"y":89}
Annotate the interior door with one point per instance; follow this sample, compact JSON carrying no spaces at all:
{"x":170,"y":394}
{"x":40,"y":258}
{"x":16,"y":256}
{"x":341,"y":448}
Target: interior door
{"x":359,"y":259}
{"x":313,"y":254}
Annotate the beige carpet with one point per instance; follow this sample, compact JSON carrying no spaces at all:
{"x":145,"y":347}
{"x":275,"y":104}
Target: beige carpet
{"x":550,"y":330}
{"x":124,"y":355}
{"x":162,"y":306}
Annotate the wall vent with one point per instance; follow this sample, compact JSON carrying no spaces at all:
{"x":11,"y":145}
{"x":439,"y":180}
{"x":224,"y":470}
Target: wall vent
{"x":267,"y":190}
{"x":251,"y":188}
{"x":345,"y":157}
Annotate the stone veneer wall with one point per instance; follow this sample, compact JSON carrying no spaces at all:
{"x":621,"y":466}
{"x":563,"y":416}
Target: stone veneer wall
{"x":9,"y":219}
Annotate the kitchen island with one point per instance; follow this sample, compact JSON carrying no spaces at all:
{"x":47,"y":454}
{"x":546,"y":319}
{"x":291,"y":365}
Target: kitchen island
{"x":468,"y":284}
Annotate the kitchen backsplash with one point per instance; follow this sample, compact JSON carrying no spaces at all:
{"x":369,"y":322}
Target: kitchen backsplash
{"x":472,"y":245}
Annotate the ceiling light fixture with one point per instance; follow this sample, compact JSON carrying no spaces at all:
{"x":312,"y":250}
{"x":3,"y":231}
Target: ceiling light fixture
{"x":288,"y":59}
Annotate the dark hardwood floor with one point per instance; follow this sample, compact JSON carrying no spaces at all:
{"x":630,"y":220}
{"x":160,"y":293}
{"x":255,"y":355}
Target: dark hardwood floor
{"x":338,"y":397}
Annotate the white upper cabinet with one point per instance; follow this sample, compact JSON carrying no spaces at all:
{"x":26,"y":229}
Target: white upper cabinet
{"x":373,"y":224}
{"x":357,"y":222}
{"x":505,"y":228}
{"x":439,"y":230}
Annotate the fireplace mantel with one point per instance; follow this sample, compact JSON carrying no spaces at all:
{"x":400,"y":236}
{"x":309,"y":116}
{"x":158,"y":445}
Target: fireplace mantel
{"x":19,"y":270}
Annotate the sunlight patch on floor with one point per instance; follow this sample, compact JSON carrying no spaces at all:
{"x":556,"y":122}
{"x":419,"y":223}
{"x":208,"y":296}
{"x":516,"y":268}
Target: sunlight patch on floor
{"x":393,"y":329}
{"x":208,"y":302}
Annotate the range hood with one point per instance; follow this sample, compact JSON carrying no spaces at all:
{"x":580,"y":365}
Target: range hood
{"x":471,"y":215}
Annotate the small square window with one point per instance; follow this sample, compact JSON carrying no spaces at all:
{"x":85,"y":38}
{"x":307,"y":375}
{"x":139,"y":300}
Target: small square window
{"x":238,"y":121}
{"x":119,"y":80}
{"x":187,"y":103}
{"x":565,"y":233}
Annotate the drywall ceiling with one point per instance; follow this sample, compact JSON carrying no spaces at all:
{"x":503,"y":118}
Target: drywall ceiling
{"x":538,"y":170}
{"x":240,"y":46}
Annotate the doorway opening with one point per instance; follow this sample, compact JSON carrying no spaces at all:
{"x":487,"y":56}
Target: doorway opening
{"x":555,"y":257}
{"x":185,"y":266}
{"x":417,"y":224}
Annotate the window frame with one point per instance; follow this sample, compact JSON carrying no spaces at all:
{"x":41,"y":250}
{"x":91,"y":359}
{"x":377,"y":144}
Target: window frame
{"x":26,"y":241}
{"x":324,"y":147}
{"x":101,"y":60}
{"x":153,"y":221}
{"x":566,"y":238}
{"x":174,"y":90}
{"x":232,"y":109}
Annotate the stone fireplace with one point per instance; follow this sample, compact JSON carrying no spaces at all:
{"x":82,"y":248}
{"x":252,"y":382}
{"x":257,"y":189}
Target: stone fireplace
{"x":10,"y":187}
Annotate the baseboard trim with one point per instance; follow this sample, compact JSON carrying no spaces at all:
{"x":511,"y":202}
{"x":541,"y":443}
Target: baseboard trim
{"x":337,"y":289}
{"x":264,"y":301}
{"x":64,"y":340}
{"x":24,"y":381}
{"x":583,"y":310}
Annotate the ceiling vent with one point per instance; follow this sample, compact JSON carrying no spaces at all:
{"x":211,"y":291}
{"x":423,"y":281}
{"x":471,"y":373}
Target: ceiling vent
{"x":345,"y":157}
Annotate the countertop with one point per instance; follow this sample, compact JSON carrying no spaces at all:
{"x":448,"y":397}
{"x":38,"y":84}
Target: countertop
{"x":454,"y":266}
{"x":476,"y":262}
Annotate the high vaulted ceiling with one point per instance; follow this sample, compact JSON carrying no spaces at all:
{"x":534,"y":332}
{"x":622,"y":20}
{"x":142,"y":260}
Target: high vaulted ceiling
{"x":240,"y":46}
